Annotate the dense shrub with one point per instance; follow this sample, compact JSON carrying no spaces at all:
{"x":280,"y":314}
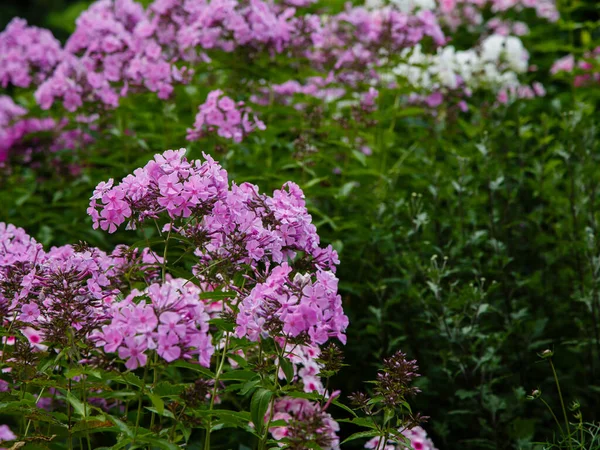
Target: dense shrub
{"x":433,"y":170}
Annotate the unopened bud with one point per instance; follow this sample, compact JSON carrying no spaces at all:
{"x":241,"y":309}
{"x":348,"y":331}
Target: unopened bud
{"x":536,"y":393}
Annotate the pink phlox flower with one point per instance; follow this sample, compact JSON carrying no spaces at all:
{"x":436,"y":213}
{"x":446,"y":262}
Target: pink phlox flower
{"x":133,"y":351}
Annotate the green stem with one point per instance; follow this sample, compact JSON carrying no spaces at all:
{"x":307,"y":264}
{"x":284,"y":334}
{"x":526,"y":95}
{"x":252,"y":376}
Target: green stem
{"x":154,"y":381}
{"x":553,"y":415}
{"x":6,"y":340}
{"x":164,"y":263}
{"x":69,"y":412}
{"x":174,"y":427}
{"x":214,"y":392}
{"x":139,"y":408}
{"x":562,"y":403}
{"x":36,"y":402}
{"x":85,"y":412}
{"x":263,"y":441}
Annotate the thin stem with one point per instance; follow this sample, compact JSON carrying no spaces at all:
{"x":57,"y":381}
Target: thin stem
{"x":562,"y":403}
{"x":154,"y":381}
{"x":214,"y":393}
{"x":263,"y":442}
{"x":69,"y":412}
{"x":139,"y":408}
{"x":553,"y":415}
{"x":85,"y":412}
{"x":36,"y":402}
{"x":174,"y":427}
{"x":6,"y":340}
{"x":164,"y":263}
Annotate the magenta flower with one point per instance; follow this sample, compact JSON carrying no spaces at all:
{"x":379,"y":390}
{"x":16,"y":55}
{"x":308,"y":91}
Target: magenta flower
{"x":133,"y":351}
{"x":29,"y":312}
{"x":170,"y":323}
{"x":144,"y":318}
{"x":6,"y":434}
{"x":168,"y":347}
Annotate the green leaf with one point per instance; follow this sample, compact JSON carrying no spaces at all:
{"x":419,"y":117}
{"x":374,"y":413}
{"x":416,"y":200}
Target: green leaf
{"x":133,"y":379}
{"x":240,"y":375}
{"x":157,"y":402}
{"x":344,"y":407}
{"x":362,"y":434}
{"x":122,"y":426}
{"x":78,"y":406}
{"x":164,"y":413}
{"x":360,"y":421}
{"x":288,"y":369}
{"x":195,"y":367}
{"x":217,"y":295}
{"x":258,"y":407}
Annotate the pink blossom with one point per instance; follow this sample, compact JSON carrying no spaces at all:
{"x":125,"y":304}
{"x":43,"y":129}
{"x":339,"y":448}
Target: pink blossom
{"x":6,"y":434}
{"x":133,"y":351}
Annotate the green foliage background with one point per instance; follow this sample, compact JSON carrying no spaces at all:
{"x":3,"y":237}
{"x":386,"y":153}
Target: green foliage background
{"x":470,"y":242}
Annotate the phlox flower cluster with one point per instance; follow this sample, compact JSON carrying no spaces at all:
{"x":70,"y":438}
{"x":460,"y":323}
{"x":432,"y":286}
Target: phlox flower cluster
{"x":417,"y":437}
{"x":356,"y":38}
{"x":305,"y":421}
{"x":234,"y":224}
{"x":495,"y":65}
{"x":169,"y":183}
{"x":323,"y":88}
{"x":107,"y":56}
{"x":13,"y":128}
{"x":586,"y":71}
{"x":306,"y":367}
{"x":169,"y":318}
{"x":240,"y":229}
{"x":293,"y":308}
{"x":20,"y":135}
{"x":27,"y":54}
{"x":9,"y":110}
{"x":61,"y":294}
{"x":456,"y":13}
{"x":220,"y":25}
{"x":229,"y":119}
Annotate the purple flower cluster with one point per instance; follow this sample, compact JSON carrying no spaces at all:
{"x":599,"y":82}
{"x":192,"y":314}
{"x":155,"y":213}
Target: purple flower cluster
{"x":45,"y":294}
{"x":19,"y":136}
{"x":169,"y":183}
{"x":293,"y":307}
{"x":229,"y":119}
{"x":586,"y":70}
{"x":222,"y":24}
{"x":27,"y":54}
{"x":417,"y":437}
{"x":305,"y":422}
{"x":456,"y":13}
{"x":106,"y":57}
{"x":242,"y":231}
{"x":169,"y":318}
{"x":323,"y":88}
{"x":234,"y":223}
